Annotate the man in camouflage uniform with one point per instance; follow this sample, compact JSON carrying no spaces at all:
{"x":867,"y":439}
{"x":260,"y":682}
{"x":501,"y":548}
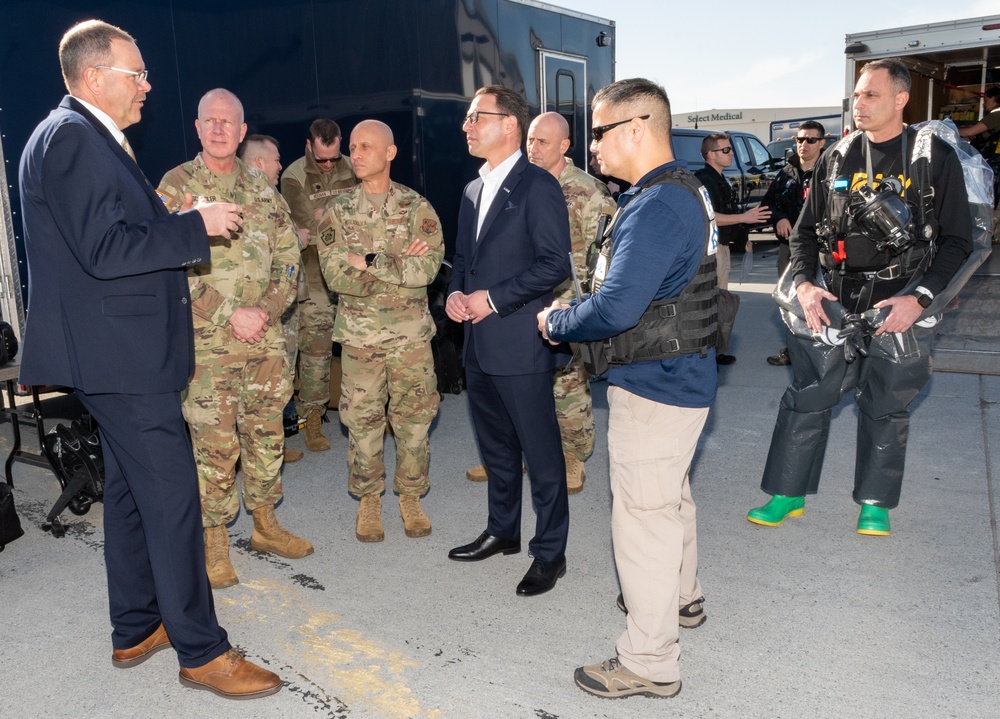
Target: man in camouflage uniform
{"x":307,"y":185}
{"x":262,"y":152}
{"x":586,"y":200}
{"x":380,"y":246}
{"x":239,"y":387}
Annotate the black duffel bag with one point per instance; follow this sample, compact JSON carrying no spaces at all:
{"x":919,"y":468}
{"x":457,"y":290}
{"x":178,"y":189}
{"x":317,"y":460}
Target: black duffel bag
{"x":10,"y":525}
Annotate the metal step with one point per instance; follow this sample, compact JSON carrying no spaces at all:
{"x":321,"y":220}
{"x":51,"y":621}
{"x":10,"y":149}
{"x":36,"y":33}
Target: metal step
{"x":968,"y":339}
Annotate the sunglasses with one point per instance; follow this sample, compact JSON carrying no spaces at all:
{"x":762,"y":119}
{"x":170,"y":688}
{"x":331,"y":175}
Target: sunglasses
{"x":601,"y":130}
{"x":810,"y":140}
{"x":723,"y":150}
{"x":325,"y":160}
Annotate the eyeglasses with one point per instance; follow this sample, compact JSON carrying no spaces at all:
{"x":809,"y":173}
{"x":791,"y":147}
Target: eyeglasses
{"x":601,"y":130}
{"x":140,"y":77}
{"x":810,"y":140}
{"x":473,"y":117}
{"x":723,"y":150}
{"x":325,"y":160}
{"x":210,"y":123}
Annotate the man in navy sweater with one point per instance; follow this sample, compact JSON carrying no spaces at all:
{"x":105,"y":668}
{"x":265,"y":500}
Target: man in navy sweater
{"x":657,"y":408}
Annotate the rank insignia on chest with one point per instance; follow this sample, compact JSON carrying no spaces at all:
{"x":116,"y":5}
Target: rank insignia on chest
{"x":317,"y":187}
{"x":328,"y":236}
{"x":429,"y":227}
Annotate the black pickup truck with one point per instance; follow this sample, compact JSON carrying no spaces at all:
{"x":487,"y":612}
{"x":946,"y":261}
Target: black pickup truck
{"x":753,"y":168}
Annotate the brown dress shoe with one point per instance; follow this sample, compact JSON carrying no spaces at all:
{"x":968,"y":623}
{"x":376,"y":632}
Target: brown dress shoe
{"x":231,"y":676}
{"x":125,"y":658}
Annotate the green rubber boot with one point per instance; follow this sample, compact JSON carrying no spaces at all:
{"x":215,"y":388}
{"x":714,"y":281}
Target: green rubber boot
{"x":774,"y":512}
{"x":873,"y":521}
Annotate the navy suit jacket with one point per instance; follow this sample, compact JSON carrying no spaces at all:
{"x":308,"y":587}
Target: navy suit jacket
{"x":521,"y":255}
{"x":108,"y":303}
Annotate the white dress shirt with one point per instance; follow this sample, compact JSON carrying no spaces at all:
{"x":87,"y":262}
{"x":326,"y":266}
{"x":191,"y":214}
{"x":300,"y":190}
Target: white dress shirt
{"x":104,"y":119}
{"x":492,"y":180}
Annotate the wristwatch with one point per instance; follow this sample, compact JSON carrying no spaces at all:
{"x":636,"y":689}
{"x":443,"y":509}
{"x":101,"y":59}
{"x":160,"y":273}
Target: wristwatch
{"x":370,"y":258}
{"x":924,"y":297}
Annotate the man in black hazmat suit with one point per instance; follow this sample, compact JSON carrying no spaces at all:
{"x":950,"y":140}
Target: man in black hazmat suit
{"x":875,"y":218}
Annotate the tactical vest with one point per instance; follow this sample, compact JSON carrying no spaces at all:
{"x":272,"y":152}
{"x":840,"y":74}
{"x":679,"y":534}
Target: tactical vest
{"x":669,"y":328}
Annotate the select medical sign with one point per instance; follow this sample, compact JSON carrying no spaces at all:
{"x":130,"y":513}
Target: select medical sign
{"x":716,"y":117}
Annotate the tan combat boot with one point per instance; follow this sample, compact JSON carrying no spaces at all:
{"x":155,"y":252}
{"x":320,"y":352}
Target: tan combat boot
{"x":220,"y":570}
{"x":476,"y":474}
{"x":415,"y":521}
{"x":269,"y":536}
{"x":369,"y":524}
{"x":292,"y":455}
{"x":315,"y":441}
{"x":575,"y":475}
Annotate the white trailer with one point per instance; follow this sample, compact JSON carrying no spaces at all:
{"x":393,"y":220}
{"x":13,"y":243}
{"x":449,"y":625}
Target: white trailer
{"x":952,"y":63}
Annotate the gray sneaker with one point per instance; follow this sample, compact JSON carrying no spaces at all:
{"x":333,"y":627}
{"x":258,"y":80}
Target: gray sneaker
{"x":690,"y":616}
{"x":611,"y":680}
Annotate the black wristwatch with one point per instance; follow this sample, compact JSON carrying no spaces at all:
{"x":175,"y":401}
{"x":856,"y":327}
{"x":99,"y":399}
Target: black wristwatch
{"x":923,"y":298}
{"x":370,"y":258}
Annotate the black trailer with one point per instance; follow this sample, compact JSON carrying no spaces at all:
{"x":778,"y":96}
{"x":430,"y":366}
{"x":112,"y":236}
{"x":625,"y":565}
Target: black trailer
{"x":413,"y":64}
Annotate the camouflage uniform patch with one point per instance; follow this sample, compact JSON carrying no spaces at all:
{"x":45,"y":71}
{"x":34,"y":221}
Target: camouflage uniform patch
{"x":385,"y":327}
{"x":236,"y":395}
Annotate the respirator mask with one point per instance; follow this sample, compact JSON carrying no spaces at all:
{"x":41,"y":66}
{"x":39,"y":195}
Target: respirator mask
{"x":883,"y":216}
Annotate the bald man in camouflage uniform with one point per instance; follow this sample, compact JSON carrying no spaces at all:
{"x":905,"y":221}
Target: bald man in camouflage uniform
{"x":307,"y":185}
{"x":587,"y":198}
{"x":234,"y":400}
{"x":380,"y":246}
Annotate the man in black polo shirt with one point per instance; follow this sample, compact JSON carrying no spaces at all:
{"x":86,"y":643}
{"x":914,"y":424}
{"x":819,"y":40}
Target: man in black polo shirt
{"x":718,"y":153}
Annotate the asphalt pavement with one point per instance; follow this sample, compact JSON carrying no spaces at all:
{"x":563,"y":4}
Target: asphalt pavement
{"x":809,"y":619}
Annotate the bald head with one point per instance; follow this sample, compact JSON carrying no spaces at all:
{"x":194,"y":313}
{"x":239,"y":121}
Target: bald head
{"x":372,"y":150}
{"x":223,"y":95}
{"x":221,"y":129}
{"x":377,"y":127}
{"x":548,"y":142}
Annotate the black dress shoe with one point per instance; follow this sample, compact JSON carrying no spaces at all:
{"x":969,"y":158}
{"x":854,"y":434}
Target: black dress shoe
{"x":724,"y":359}
{"x":484,"y":546}
{"x":541,"y":577}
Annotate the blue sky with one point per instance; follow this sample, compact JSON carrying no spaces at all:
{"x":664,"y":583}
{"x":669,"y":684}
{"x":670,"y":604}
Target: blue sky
{"x":789,"y":55}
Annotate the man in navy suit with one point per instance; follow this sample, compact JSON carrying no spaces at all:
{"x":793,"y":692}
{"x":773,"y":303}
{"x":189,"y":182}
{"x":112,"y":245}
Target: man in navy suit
{"x":512,"y":249}
{"x":109,"y":315}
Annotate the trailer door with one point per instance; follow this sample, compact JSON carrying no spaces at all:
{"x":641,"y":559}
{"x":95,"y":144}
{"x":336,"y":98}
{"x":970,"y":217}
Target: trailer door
{"x":564,"y":90}
{"x":11,"y":301}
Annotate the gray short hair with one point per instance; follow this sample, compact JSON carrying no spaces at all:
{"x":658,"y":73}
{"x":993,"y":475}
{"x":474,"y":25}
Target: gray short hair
{"x":87,"y":44}
{"x":899,"y":75}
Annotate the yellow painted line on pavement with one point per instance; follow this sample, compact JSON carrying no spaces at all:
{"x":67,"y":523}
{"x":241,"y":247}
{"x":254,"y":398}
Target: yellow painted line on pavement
{"x":339,"y":659}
